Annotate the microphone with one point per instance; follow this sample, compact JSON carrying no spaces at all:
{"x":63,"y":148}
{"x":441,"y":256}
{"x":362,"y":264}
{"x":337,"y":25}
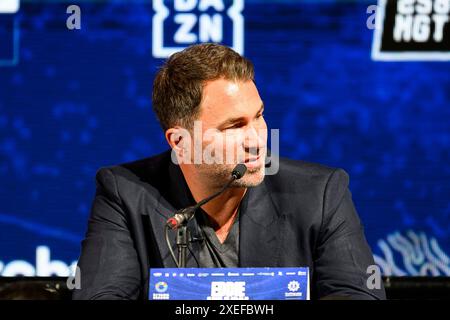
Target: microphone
{"x":182,"y":216}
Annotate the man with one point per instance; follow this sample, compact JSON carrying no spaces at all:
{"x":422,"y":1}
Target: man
{"x":209,"y":108}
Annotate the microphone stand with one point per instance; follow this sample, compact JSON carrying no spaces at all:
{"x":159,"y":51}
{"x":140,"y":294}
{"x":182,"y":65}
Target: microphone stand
{"x":182,"y":244}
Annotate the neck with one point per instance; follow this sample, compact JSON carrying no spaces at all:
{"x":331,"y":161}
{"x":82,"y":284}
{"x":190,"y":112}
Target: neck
{"x":222,"y":209}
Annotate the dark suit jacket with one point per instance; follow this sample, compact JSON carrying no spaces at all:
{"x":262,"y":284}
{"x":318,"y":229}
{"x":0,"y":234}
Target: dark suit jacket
{"x":302,"y":216}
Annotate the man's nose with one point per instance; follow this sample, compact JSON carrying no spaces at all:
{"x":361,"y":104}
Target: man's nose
{"x":253,"y":139}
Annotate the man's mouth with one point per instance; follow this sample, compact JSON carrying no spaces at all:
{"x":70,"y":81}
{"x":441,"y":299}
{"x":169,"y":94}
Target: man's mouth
{"x":252,"y":159}
{"x":253,"y":162}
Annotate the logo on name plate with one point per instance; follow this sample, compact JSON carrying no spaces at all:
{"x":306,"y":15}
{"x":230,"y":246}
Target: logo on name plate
{"x":293,"y":286}
{"x":228,"y":290}
{"x":161,"y":287}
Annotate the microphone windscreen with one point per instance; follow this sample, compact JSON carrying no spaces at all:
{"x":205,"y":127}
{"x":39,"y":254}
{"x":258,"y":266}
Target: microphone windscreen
{"x":239,"y":171}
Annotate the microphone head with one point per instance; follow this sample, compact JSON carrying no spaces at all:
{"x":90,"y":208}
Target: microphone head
{"x":239,"y":171}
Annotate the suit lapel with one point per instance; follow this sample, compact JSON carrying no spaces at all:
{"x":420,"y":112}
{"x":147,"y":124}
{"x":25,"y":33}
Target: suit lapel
{"x":260,"y":234}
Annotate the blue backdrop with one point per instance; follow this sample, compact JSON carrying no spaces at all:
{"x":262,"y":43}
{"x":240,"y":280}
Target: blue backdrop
{"x":72,"y":101}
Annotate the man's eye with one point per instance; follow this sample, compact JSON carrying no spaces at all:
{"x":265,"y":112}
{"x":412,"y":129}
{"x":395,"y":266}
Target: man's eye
{"x":232,"y":127}
{"x":235,"y":126}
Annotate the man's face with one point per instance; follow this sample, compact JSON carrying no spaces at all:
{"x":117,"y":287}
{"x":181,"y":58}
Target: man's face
{"x":232,"y":122}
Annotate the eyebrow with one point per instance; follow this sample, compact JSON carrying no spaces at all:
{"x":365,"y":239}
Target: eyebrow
{"x":239,"y":119}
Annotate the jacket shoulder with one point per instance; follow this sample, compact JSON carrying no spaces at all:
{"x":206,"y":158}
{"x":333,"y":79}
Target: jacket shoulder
{"x":301,"y":183}
{"x":141,"y":168}
{"x":129,"y":178}
{"x":306,"y":173}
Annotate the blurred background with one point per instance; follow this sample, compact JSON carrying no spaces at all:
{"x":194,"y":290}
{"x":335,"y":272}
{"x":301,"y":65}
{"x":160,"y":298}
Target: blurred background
{"x":75,"y":95}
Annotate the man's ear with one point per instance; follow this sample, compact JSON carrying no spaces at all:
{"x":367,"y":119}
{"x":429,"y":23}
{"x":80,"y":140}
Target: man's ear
{"x":175,"y":138}
{"x":179,"y":140}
